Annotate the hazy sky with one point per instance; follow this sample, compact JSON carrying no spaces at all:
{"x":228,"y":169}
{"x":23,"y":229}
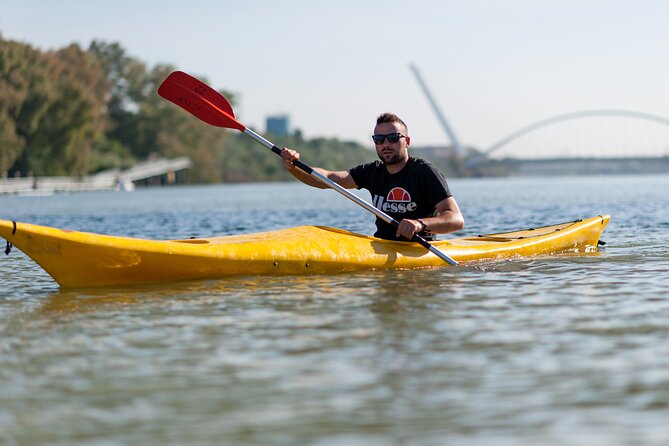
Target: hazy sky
{"x":493,"y":65}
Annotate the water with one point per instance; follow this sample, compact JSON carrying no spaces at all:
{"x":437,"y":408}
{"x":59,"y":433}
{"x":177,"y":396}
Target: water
{"x":568,"y":350}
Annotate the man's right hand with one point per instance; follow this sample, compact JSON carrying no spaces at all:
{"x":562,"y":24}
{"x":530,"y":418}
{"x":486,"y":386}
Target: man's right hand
{"x":289,"y":156}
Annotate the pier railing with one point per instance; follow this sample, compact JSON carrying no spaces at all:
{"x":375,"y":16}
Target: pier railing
{"x":112,"y":179}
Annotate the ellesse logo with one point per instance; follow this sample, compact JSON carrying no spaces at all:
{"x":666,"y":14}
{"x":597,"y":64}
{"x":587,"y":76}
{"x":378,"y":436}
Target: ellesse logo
{"x":398,"y":194}
{"x":398,"y":200}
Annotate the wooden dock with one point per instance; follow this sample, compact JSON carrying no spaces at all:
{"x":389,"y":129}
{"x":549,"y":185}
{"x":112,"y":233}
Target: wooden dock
{"x":152,"y":172}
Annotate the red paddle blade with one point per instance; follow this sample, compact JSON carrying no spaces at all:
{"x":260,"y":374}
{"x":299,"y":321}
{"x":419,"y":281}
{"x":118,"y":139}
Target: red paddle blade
{"x":199,"y":99}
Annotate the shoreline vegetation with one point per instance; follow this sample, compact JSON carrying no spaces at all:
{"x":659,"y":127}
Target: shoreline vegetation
{"x":75,"y":112}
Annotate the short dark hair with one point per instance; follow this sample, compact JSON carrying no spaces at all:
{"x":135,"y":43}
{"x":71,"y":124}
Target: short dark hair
{"x":391,"y":117}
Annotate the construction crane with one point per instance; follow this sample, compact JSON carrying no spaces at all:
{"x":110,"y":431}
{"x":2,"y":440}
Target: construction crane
{"x":459,"y":151}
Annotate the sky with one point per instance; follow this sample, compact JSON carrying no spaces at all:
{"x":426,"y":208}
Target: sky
{"x":493,"y":66}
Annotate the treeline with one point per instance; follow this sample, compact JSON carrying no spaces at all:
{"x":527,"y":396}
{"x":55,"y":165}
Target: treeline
{"x":75,"y":111}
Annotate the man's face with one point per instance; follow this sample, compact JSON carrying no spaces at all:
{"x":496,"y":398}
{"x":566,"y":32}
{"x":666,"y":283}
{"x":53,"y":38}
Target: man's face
{"x":389,"y":152}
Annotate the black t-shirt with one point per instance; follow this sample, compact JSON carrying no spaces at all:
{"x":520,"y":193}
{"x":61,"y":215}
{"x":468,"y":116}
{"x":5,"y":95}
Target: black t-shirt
{"x":410,"y":193}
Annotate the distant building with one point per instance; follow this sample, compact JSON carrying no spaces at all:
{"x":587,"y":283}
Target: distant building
{"x":278,"y":125}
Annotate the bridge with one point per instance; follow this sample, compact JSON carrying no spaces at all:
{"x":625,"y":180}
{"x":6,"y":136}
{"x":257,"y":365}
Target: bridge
{"x":155,"y":171}
{"x":605,"y":141}
{"x":579,"y":115}
{"x":607,"y":144}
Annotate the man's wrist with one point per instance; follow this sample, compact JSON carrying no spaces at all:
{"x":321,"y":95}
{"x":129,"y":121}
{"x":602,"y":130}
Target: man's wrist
{"x":424,"y":226}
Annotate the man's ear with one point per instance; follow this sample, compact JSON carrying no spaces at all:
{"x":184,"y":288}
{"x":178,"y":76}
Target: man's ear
{"x":408,"y":140}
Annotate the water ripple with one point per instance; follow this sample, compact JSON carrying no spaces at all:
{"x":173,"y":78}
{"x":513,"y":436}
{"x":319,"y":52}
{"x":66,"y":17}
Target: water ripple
{"x":564,"y":350}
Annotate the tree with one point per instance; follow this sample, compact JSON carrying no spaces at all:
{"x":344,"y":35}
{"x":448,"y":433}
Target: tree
{"x":75,"y":119}
{"x":148,"y":125}
{"x":128,"y":85}
{"x":57,"y":109}
{"x":74,"y":111}
{"x":23,"y":98}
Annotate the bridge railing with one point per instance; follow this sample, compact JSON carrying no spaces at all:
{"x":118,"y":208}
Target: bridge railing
{"x":112,"y":179}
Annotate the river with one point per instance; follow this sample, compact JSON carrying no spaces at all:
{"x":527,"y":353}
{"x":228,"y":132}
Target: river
{"x":563,"y":350}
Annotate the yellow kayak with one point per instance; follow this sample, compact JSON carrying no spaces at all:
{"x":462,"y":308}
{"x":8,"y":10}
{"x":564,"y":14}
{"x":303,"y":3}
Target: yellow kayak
{"x":80,"y":259}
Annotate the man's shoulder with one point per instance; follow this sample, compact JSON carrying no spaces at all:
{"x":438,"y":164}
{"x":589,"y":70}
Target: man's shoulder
{"x":417,"y":161}
{"x":420,"y":163}
{"x":367,"y":166}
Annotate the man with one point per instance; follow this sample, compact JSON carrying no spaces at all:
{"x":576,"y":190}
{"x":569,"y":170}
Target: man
{"x":409,"y":189}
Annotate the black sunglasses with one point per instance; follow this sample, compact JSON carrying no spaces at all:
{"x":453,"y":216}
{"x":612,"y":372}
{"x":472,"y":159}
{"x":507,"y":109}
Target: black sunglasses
{"x":392,"y":138}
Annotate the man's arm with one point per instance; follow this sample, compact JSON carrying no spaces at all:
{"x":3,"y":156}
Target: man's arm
{"x":449,"y":219}
{"x":342,"y":177}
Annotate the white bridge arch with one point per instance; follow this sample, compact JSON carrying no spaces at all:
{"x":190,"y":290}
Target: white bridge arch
{"x":573,"y":116}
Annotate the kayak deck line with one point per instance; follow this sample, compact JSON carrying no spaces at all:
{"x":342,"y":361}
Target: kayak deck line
{"x":508,"y":236}
{"x":81,"y":259}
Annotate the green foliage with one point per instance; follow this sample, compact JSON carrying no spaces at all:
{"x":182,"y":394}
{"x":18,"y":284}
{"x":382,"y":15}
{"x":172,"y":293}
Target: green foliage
{"x":74,"y":112}
{"x":246,"y":160}
{"x":55,"y":111}
{"x":111,"y":154}
{"x":23,"y":98}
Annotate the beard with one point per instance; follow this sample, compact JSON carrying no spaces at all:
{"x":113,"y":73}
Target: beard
{"x":395,"y":159}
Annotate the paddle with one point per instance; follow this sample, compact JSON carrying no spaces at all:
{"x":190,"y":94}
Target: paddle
{"x":211,"y":107}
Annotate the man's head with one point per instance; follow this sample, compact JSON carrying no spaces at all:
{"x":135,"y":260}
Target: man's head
{"x":391,"y":117}
{"x":391,"y":138}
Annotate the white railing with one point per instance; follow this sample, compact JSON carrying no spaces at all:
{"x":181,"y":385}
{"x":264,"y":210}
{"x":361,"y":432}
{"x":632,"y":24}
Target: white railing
{"x":112,"y":179}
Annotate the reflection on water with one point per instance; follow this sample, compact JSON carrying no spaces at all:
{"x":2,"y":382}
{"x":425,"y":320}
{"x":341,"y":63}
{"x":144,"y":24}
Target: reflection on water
{"x":558,"y":350}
